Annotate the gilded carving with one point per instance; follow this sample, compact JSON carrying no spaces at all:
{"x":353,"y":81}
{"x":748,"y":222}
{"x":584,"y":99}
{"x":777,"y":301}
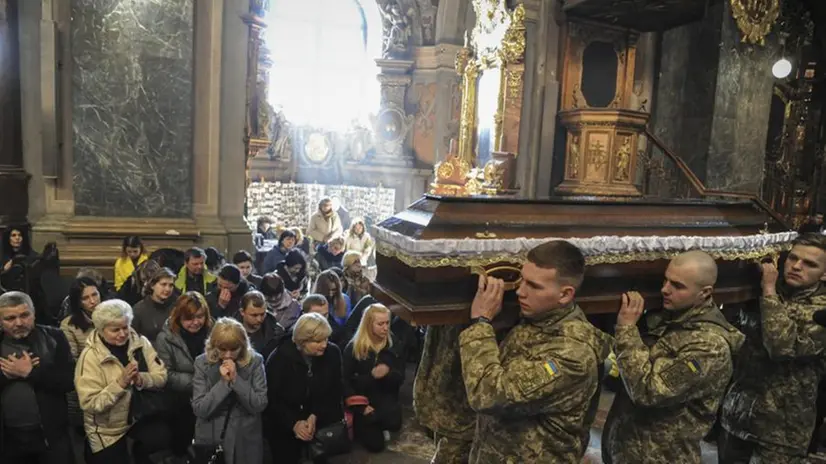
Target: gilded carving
{"x":573,"y":157}
{"x":622,"y":171}
{"x":513,"y":45}
{"x":755,"y":18}
{"x":597,"y":158}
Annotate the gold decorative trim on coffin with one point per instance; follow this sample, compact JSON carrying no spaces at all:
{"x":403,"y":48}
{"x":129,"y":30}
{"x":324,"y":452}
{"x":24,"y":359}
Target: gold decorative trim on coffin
{"x":620,"y":258}
{"x":755,"y":18}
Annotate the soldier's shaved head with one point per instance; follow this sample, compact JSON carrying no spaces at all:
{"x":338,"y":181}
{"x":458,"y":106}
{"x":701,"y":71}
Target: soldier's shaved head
{"x":689,"y":280}
{"x":705,"y":269}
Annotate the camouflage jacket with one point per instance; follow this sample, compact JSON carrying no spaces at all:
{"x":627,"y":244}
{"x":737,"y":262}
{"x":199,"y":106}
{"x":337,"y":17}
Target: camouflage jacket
{"x":773,"y":395}
{"x":439,"y":398}
{"x":537,"y":397}
{"x":675,"y":378}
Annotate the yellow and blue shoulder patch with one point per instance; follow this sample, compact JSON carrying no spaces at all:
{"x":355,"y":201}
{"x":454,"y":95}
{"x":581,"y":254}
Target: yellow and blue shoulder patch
{"x":550,"y":367}
{"x":538,"y":375}
{"x":680,"y":373}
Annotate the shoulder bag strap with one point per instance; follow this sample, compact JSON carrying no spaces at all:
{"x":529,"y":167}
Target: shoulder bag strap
{"x":226,"y":422}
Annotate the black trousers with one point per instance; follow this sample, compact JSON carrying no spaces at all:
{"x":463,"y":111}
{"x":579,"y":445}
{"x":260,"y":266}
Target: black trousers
{"x":368,"y":430}
{"x":149,"y":436}
{"x":734,"y":450}
{"x":58,"y":451}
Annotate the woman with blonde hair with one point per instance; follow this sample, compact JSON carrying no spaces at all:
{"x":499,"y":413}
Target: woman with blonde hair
{"x":229,"y":392}
{"x":356,"y":285}
{"x":373,"y":374}
{"x":116,"y":364}
{"x":359,"y":240}
{"x":305,"y":389}
{"x":181,"y":341}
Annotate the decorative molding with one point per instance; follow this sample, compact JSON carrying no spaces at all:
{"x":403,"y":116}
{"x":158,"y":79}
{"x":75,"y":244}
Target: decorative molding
{"x":755,"y":18}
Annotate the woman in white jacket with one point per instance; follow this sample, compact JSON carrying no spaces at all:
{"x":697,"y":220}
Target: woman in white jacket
{"x":116,"y":363}
{"x":358,"y":239}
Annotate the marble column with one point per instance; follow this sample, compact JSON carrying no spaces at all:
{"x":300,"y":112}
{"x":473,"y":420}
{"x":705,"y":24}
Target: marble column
{"x":537,"y":130}
{"x":132,"y":107}
{"x":713,"y":100}
{"x":13,"y":178}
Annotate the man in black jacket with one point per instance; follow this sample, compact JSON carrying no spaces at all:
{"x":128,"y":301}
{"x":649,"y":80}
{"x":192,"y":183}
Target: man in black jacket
{"x":264,"y":332}
{"x":36,"y":372}
{"x":225,"y":299}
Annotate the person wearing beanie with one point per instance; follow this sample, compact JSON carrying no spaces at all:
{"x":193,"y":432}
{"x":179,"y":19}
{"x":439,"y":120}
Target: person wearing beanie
{"x":225,"y":299}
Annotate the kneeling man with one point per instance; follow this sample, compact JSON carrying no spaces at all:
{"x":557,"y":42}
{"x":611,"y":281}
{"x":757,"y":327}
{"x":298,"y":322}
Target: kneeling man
{"x":675,"y":373}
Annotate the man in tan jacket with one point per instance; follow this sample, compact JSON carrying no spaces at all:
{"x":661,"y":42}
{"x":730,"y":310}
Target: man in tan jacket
{"x":324,"y":223}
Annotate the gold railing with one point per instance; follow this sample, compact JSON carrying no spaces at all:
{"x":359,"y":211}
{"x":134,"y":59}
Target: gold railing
{"x":666,"y":175}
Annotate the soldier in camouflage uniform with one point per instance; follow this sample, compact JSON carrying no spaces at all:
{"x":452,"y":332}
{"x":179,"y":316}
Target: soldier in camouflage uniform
{"x":769,"y":410}
{"x":439,"y":397}
{"x":675,"y":375}
{"x":537,"y":395}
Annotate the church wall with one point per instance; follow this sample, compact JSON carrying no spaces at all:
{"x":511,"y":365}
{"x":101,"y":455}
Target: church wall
{"x":132,"y":107}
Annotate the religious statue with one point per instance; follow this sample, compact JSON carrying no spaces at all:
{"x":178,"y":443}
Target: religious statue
{"x":623,"y":160}
{"x":397,"y":30}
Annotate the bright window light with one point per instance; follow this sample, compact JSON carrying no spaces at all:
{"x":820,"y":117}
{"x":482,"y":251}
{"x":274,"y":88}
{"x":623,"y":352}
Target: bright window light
{"x":323,"y":51}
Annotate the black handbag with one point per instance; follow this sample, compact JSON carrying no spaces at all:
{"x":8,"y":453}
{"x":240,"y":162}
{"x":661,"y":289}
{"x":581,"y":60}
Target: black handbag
{"x":211,"y":454}
{"x":147,"y":403}
{"x":330,"y":441}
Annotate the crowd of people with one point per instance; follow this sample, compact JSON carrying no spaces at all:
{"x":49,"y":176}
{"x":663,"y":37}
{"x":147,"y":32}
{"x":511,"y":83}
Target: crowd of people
{"x":182,"y":365}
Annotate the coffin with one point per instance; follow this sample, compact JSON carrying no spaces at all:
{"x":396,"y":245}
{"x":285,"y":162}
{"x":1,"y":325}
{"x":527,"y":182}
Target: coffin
{"x":429,"y":255}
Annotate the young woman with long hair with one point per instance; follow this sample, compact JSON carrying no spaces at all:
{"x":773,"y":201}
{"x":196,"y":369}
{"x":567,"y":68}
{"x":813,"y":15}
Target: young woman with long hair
{"x":373,"y":374}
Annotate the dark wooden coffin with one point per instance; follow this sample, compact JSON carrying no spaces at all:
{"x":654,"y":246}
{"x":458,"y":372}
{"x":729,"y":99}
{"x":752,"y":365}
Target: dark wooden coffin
{"x":437,"y":286}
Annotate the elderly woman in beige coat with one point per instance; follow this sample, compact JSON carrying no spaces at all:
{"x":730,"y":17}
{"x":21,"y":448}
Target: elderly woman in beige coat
{"x":116,"y":363}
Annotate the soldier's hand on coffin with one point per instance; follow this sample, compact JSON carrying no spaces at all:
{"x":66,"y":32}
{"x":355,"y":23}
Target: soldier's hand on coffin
{"x":488,"y":300}
{"x":768,"y":280}
{"x":631,"y":310}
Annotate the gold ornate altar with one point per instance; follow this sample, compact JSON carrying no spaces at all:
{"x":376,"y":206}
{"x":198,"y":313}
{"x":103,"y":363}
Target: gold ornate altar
{"x":604,"y":133}
{"x":494,"y":52}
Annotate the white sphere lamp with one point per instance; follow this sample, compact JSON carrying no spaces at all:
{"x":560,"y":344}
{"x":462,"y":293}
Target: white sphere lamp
{"x":782,"y":68}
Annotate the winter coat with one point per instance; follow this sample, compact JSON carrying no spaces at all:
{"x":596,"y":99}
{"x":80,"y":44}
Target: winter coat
{"x":105,"y":404}
{"x":273,"y":333}
{"x":383,"y":393}
{"x":150,"y":316}
{"x":75,"y":336}
{"x":323,"y":228}
{"x":180,"y":281}
{"x":180,"y":365}
{"x":124,"y":267}
{"x":51,"y":380}
{"x":211,"y":396}
{"x":295,"y":394}
{"x":363,"y":245}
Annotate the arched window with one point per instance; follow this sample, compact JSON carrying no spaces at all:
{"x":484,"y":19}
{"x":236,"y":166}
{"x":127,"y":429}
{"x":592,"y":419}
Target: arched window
{"x":323,"y":73}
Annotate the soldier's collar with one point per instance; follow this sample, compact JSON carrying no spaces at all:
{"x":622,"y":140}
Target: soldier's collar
{"x":664,"y":317}
{"x":556,"y":315}
{"x":795,"y":294}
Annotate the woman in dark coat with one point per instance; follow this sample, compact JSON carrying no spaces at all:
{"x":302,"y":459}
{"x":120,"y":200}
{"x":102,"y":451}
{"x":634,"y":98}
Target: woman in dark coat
{"x":293,"y":271}
{"x":373,"y":374}
{"x":304,"y":388}
{"x":182,"y":339}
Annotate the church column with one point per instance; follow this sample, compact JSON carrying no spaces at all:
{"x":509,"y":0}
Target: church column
{"x":13,"y":178}
{"x":713,"y":100}
{"x":234,"y":81}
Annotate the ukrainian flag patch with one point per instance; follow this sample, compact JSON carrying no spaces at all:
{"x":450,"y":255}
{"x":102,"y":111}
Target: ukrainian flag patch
{"x":694,"y":366}
{"x":550,"y":367}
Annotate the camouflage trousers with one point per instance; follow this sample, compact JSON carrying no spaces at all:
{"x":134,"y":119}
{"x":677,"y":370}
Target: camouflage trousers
{"x":451,"y":450}
{"x":734,"y":450}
